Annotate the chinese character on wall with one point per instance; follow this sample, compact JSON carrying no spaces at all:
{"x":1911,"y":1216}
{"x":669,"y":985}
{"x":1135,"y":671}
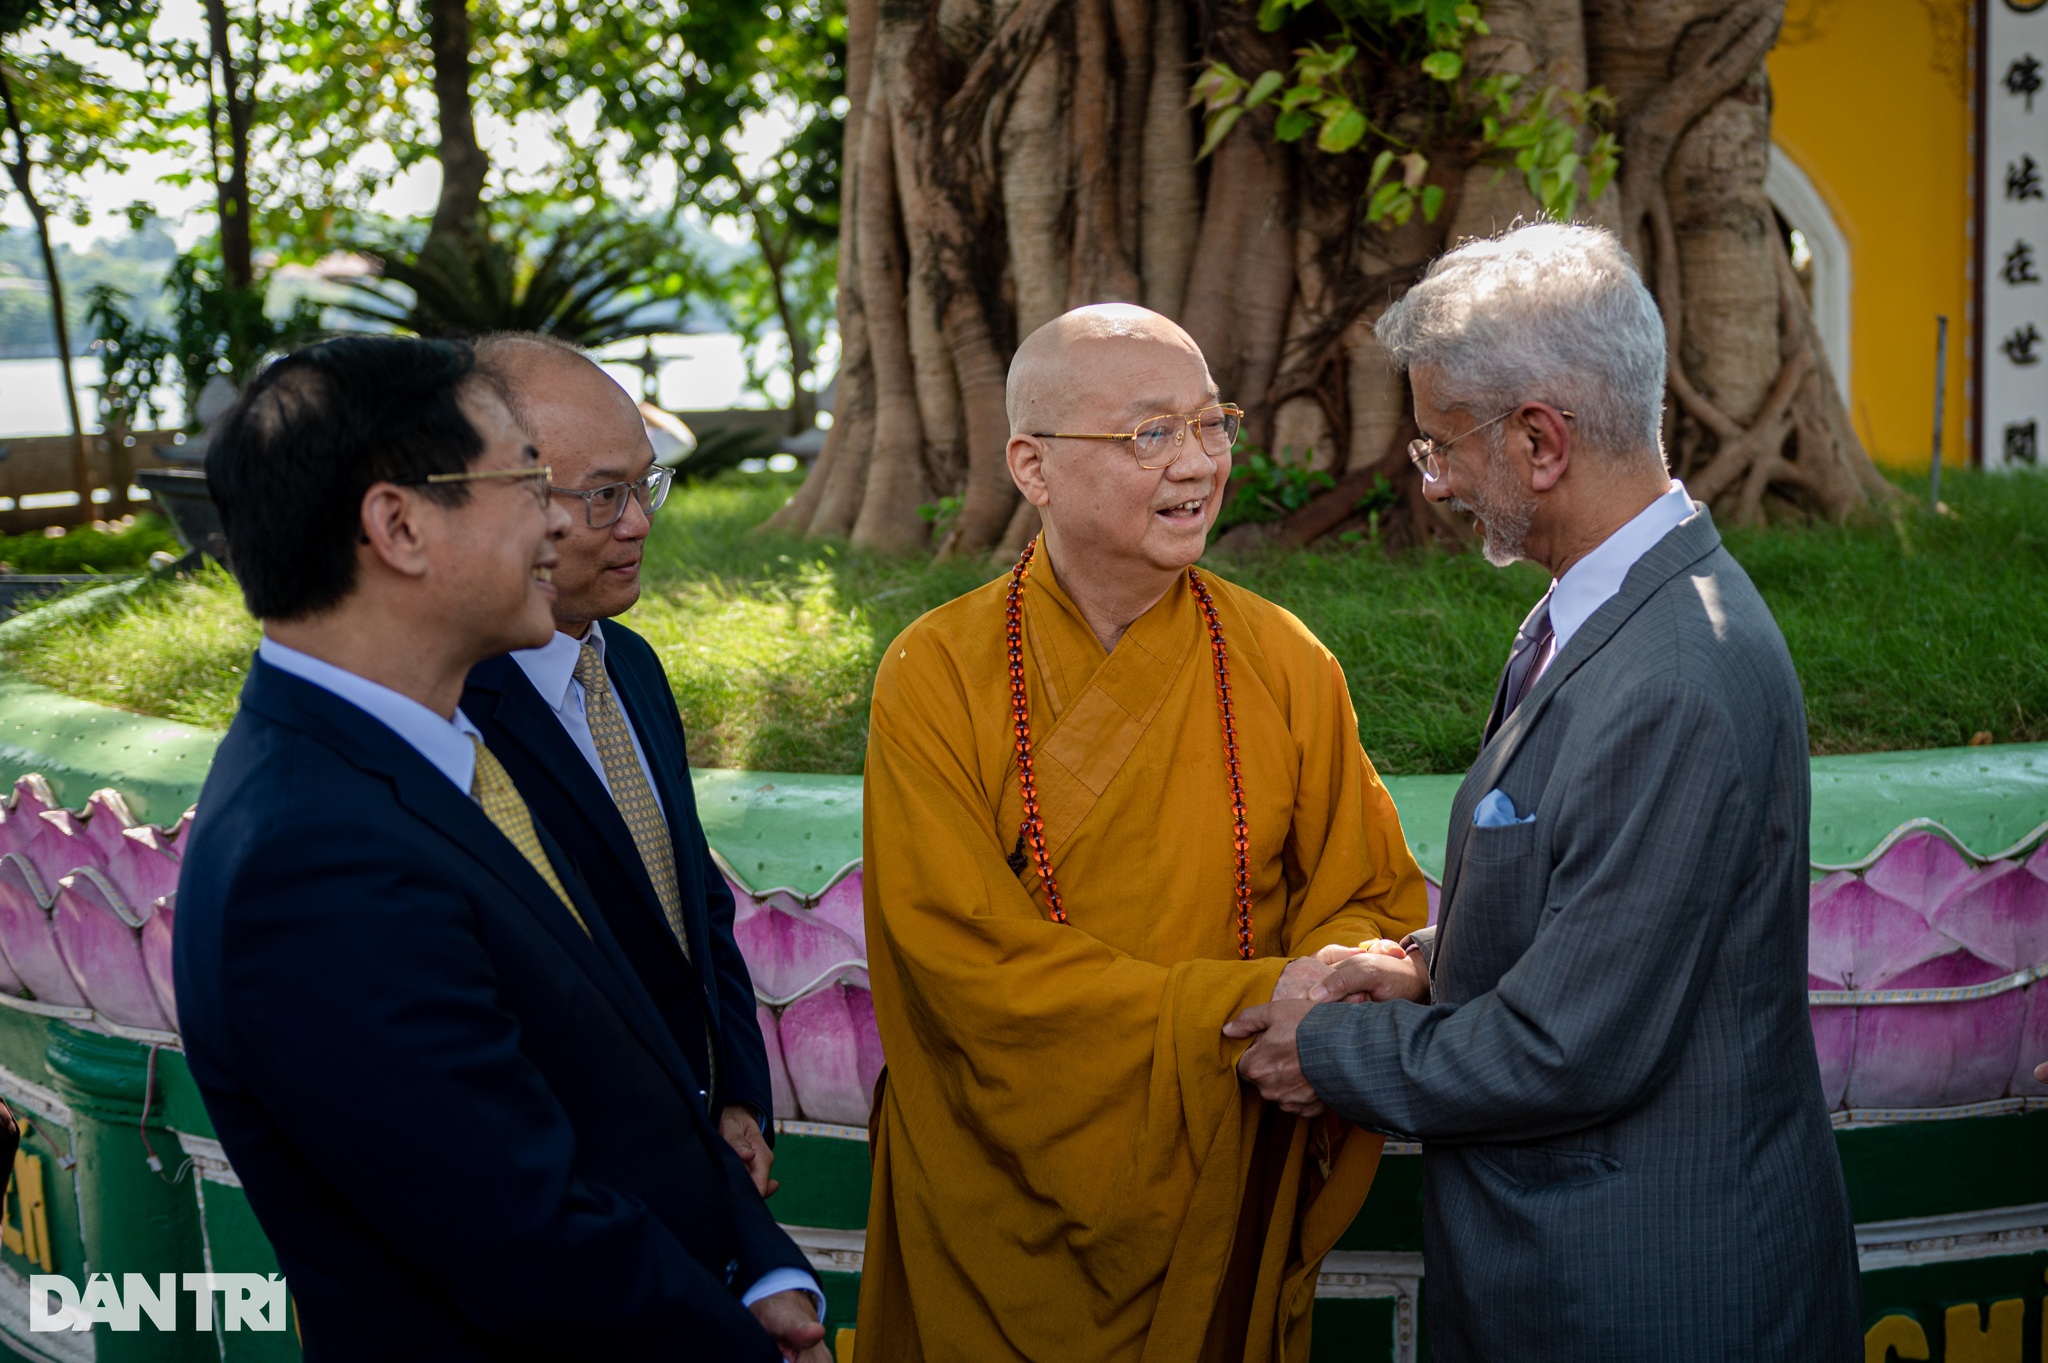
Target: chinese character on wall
{"x":2011,"y":246}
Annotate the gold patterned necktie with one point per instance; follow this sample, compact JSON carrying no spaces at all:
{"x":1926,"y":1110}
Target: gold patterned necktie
{"x":503,"y":805}
{"x":630,"y":789}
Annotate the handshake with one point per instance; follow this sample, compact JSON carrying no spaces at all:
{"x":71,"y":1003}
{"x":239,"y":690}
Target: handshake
{"x":1372,"y":972}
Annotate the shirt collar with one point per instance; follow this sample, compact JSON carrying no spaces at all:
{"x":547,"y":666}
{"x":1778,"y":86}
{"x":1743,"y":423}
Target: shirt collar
{"x":1595,"y":579}
{"x":552,"y":667}
{"x":445,"y":744}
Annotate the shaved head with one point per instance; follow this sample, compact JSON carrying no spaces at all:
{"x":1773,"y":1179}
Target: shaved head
{"x":1119,"y":525}
{"x":1058,"y":370}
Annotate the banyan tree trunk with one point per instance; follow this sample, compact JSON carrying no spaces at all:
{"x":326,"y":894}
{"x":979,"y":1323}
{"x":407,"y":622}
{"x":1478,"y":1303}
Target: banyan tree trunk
{"x":1008,"y":159}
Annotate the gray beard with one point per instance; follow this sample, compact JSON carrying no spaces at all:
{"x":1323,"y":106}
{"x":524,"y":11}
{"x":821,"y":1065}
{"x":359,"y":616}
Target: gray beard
{"x":1503,"y":511}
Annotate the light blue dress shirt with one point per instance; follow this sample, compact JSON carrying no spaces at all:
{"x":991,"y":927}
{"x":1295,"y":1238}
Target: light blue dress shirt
{"x":1596,"y":579}
{"x":552,"y":670}
{"x":446,"y":746}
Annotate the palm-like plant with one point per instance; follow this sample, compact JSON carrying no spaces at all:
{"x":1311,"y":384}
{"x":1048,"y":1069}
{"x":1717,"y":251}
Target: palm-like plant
{"x":583,"y":284}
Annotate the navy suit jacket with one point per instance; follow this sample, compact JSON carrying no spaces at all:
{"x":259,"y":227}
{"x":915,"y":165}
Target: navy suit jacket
{"x":460,"y":1120}
{"x":567,"y":797}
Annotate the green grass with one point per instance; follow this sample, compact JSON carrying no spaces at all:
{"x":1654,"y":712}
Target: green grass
{"x":87,"y":549}
{"x":1909,"y":631}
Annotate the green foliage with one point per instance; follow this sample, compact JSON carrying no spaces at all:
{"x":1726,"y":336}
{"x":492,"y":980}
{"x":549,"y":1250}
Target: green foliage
{"x":219,"y":329}
{"x":133,"y":356}
{"x":1264,"y":488}
{"x":1391,"y":75}
{"x":584,"y":282}
{"x":1908,"y":635}
{"x":134,"y":264}
{"x":723,"y":451}
{"x":87,"y":549}
{"x":941,"y":514}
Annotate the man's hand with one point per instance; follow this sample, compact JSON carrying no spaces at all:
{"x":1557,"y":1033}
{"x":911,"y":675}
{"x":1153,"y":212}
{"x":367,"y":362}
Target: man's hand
{"x":1302,"y":974}
{"x":1374,"y":976}
{"x":743,"y":1134}
{"x":791,"y":1320}
{"x":1273,"y":1061}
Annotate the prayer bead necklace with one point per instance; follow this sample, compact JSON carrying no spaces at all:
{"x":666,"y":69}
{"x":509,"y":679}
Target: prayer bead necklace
{"x":1031,"y":833}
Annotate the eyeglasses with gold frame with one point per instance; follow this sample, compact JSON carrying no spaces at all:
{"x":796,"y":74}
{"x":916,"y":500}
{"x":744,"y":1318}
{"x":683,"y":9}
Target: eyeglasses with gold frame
{"x":1158,"y":441}
{"x":534,"y":478}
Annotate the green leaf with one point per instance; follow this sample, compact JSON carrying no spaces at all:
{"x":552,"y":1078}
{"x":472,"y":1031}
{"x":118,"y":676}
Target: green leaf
{"x":1380,"y":165}
{"x":1384,"y":198}
{"x":1432,"y":201}
{"x":1300,"y":95}
{"x":1263,"y":88}
{"x":1290,"y":126}
{"x":1220,"y":125}
{"x":1343,"y":132}
{"x":1443,"y":66}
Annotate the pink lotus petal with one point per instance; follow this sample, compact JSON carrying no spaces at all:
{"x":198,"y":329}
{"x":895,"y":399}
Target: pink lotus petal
{"x":2001,"y":915}
{"x":25,"y":934}
{"x":834,"y":1053}
{"x":98,"y":937}
{"x":1919,"y":870}
{"x":106,"y":819}
{"x":1857,"y":935}
{"x":176,"y":831}
{"x":142,"y":865}
{"x":65,"y":847}
{"x":1834,"y":1045}
{"x":789,"y":951}
{"x":779,"y":1091}
{"x":841,"y":907}
{"x":2033,"y":1044}
{"x":156,"y":952}
{"x":1936,"y":1054}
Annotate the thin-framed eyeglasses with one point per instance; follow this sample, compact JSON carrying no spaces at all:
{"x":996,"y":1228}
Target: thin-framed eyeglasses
{"x":603,"y":507}
{"x":1157,"y":442}
{"x":534,"y":478}
{"x":1427,"y":453}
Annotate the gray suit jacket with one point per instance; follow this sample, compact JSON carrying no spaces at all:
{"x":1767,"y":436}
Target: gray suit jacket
{"x":1627,"y":1155}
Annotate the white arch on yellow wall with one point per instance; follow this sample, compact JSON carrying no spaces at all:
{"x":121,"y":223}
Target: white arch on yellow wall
{"x":1794,"y":196}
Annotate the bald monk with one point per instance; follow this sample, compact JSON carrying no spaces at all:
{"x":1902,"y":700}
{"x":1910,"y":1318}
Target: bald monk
{"x":1066,"y":1167}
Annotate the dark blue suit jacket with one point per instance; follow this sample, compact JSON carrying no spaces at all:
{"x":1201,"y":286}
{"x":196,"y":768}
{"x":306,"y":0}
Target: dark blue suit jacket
{"x":460,"y":1120}
{"x":566,"y":796}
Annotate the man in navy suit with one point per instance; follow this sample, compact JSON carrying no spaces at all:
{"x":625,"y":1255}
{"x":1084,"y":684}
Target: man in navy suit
{"x":588,"y":728}
{"x":461,"y":1121}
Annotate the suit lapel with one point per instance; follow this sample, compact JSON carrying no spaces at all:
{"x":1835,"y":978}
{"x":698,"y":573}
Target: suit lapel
{"x":526,"y":719}
{"x":1688,"y":542}
{"x":433,"y":799}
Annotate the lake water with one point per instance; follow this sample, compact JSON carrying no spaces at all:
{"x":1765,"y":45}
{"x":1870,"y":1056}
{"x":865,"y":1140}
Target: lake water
{"x":696,"y":373}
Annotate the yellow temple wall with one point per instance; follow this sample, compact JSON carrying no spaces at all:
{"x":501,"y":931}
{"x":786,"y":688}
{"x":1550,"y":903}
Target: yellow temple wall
{"x":1872,"y":102}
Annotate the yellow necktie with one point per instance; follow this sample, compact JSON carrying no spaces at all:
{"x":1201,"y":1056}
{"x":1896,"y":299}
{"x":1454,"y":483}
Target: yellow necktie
{"x":630,"y":790}
{"x":504,"y":807}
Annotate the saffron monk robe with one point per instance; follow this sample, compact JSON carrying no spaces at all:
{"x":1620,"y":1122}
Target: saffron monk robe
{"x":1065,"y":1163}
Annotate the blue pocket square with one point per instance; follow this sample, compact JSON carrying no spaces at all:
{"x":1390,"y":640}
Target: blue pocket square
{"x":1497,"y":811}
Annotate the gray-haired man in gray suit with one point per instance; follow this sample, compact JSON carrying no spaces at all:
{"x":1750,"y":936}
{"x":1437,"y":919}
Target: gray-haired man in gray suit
{"x":1604,"y":1048}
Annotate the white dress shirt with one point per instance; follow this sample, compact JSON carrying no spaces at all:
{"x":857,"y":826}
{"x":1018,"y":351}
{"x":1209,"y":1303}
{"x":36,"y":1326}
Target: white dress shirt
{"x":446,"y":746}
{"x":552,"y":670}
{"x":1596,"y":579}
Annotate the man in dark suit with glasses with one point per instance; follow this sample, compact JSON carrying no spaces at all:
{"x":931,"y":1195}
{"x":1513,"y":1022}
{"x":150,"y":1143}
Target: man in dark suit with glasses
{"x":588,"y":728}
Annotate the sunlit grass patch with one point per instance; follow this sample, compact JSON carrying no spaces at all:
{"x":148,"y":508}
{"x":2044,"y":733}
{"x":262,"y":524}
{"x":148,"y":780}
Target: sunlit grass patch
{"x":177,"y":649}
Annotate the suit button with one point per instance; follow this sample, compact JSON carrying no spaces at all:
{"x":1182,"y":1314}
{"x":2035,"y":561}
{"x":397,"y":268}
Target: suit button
{"x":732,"y":1270}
